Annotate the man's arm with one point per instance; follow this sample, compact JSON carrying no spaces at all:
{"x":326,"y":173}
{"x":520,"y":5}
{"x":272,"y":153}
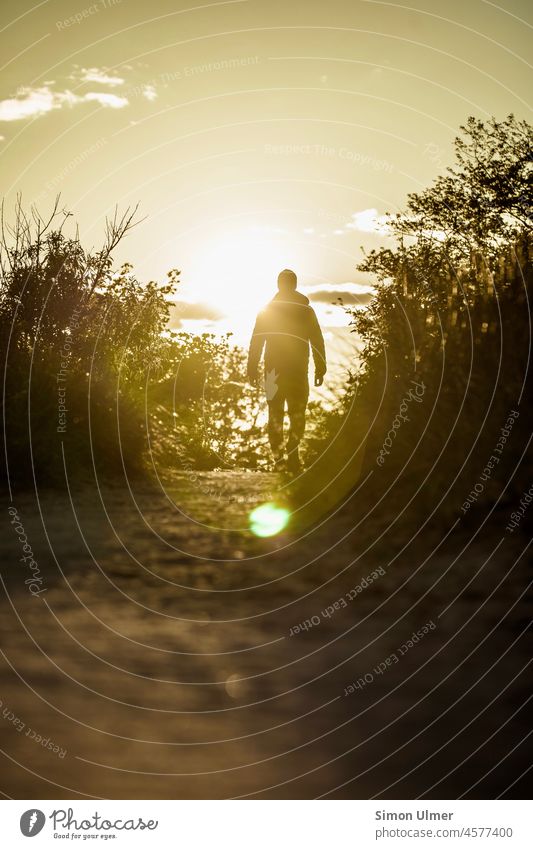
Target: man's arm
{"x":257,"y":344}
{"x":318,"y":348}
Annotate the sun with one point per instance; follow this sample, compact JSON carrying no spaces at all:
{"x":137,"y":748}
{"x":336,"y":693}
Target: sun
{"x":236,"y":273}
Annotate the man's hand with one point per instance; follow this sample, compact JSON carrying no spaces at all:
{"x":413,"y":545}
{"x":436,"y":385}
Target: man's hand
{"x":319,"y":379}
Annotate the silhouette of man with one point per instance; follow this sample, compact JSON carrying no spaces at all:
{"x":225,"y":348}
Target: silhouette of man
{"x":285,"y":329}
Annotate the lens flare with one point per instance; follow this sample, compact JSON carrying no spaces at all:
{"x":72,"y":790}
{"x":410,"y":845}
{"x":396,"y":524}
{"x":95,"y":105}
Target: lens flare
{"x":268,"y":519}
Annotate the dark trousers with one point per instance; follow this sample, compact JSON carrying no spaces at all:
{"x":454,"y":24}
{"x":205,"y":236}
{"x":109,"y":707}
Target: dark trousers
{"x":294,"y":393}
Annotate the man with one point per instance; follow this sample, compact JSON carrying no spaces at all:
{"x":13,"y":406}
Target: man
{"x":286,"y":328}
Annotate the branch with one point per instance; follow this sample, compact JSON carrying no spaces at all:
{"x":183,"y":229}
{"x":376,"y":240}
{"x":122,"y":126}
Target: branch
{"x":115,"y":230}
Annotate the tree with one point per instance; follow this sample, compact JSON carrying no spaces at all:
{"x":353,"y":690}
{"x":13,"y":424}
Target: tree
{"x":452,"y":311}
{"x":482,"y":202}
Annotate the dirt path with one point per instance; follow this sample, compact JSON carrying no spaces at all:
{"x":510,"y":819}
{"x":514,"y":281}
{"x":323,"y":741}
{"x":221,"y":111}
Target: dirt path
{"x":159,"y":659}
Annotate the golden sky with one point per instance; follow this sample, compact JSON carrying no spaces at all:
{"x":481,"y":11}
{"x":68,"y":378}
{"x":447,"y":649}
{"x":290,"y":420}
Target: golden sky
{"x":256,"y":134}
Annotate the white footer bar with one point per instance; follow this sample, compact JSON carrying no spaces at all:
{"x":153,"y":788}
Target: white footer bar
{"x":267,"y":824}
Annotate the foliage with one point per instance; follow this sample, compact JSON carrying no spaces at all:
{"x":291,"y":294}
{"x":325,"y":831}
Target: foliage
{"x":485,"y":200}
{"x":205,"y":414}
{"x":94,"y":379}
{"x":452,"y":310}
{"x":76,"y":341}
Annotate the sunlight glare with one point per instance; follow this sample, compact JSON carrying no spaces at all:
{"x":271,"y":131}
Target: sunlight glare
{"x":237,"y":273}
{"x":268,"y":519}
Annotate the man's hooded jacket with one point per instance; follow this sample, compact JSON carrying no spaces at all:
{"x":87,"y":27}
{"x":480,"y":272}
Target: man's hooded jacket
{"x":286,"y":328}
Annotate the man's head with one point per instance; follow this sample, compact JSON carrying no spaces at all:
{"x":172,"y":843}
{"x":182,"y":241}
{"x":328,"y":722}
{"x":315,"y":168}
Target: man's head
{"x":287,"y":280}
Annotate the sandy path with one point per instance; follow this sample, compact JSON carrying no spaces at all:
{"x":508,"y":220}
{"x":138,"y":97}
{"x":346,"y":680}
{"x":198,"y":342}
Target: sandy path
{"x":160,"y":662}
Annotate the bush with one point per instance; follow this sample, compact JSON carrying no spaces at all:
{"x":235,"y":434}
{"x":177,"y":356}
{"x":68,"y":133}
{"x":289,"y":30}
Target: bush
{"x":77,"y":340}
{"x":452,"y":311}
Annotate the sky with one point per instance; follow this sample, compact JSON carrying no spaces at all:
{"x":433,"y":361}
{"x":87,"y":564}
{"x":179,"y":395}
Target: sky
{"x":254,"y":134}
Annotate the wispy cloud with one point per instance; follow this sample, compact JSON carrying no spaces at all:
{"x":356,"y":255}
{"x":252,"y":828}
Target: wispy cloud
{"x":30,"y":102}
{"x":188,"y":310}
{"x":149,"y":92}
{"x":104,"y":98}
{"x":34,"y":102}
{"x":98,"y":75}
{"x":368,"y":221}
{"x":331,"y":296}
{"x":348,"y":293}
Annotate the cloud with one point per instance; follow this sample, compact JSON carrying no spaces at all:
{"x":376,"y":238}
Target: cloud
{"x":112,"y":101}
{"x":368,"y":221}
{"x":149,"y":92}
{"x":34,"y":102}
{"x":186,"y":310}
{"x":98,"y":75}
{"x":349,"y":293}
{"x":345,"y":287}
{"x":31,"y":102}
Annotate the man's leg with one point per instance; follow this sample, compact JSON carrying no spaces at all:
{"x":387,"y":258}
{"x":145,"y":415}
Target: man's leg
{"x":297,"y":398}
{"x":276,"y":411}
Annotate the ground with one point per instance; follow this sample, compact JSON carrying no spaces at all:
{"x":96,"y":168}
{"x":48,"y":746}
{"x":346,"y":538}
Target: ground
{"x":159,"y":657}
